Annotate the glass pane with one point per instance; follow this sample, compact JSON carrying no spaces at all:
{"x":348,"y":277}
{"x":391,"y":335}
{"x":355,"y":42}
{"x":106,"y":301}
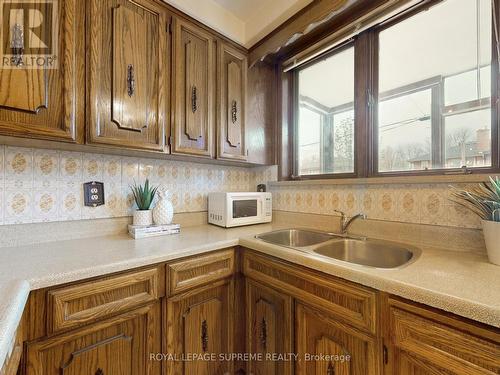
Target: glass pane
{"x":446,"y":49}
{"x":325,"y":141}
{"x":405,"y":132}
{"x":468,"y":139}
{"x":244,"y":208}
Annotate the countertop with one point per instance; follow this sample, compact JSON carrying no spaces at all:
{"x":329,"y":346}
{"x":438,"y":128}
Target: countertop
{"x":459,"y":282}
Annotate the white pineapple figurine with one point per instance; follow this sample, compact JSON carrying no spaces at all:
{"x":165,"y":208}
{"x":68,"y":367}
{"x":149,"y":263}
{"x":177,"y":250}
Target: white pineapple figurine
{"x":163,"y":213}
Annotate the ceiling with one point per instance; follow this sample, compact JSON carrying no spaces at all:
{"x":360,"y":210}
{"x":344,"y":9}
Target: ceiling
{"x":244,"y":21}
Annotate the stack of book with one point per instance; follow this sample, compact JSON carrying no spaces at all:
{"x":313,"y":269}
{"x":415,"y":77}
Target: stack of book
{"x":138,"y":231}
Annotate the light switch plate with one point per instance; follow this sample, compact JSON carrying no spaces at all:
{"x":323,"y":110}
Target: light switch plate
{"x":93,"y":193}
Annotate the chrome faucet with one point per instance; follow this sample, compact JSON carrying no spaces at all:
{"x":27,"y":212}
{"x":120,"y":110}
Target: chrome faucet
{"x":346,"y":222}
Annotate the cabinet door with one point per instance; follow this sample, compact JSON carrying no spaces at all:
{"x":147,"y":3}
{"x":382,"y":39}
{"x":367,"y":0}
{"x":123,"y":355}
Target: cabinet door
{"x":193,"y":90}
{"x":200,"y":322}
{"x":269,"y":329}
{"x":48,"y":103}
{"x":127,"y":69}
{"x":120,"y":346}
{"x":232,"y":78}
{"x":327,"y":347}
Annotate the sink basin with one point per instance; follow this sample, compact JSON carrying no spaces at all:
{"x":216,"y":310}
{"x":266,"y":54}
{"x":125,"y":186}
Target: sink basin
{"x":295,"y":237}
{"x":372,"y":253}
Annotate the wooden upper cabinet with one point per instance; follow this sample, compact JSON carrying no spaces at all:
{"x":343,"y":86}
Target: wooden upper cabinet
{"x":128,"y":73}
{"x":193,"y":89}
{"x":49,"y":103}
{"x":232,"y":78}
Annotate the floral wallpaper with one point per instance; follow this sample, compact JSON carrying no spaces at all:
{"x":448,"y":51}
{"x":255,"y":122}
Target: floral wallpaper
{"x":38,"y":185}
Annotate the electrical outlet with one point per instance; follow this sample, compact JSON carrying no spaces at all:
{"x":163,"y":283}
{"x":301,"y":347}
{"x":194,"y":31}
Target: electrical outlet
{"x":93,"y":193}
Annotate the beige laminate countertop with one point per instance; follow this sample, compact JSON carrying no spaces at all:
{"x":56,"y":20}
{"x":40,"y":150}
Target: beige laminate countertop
{"x":460,"y":282}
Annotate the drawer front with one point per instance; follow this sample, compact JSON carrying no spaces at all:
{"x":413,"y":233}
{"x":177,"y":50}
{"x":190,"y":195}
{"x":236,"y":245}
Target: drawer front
{"x":78,"y":304}
{"x":350,"y":303}
{"x":199,"y":270}
{"x":449,"y":347}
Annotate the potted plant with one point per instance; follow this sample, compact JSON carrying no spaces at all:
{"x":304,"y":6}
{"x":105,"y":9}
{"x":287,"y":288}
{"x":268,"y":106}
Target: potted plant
{"x":484,"y":200}
{"x":143,"y":196}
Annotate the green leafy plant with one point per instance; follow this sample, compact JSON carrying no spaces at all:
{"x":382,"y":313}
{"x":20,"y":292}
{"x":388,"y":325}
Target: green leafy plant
{"x":143,"y":195}
{"x":482,"y":199}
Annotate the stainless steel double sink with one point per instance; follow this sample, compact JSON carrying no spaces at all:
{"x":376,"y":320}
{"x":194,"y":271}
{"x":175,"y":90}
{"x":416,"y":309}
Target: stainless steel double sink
{"x":363,"y":251}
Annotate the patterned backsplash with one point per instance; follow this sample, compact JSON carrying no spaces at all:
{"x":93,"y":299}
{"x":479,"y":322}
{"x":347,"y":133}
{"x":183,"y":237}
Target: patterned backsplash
{"x":409,"y":203}
{"x":38,"y":185}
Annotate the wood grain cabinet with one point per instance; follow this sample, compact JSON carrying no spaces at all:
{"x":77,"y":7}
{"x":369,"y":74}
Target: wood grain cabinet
{"x":128,"y":69}
{"x":328,"y":347}
{"x":201,"y":322}
{"x":269,"y":329}
{"x":49,"y":103}
{"x":425,"y":342}
{"x":119,"y":346}
{"x":232,"y":80}
{"x":193,"y":89}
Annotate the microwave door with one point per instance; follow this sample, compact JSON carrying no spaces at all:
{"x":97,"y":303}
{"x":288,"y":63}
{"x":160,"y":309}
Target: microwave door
{"x":246,"y":210}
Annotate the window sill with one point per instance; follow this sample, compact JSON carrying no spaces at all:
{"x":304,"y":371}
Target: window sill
{"x":428,"y":179}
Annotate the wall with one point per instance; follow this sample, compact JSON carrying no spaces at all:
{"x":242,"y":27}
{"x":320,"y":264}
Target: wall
{"x":38,"y":185}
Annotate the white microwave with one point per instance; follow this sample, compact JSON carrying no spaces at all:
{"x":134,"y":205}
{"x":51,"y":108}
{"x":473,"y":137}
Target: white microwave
{"x":236,"y":209}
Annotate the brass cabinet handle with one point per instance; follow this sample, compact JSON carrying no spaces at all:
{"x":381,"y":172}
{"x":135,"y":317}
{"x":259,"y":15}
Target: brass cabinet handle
{"x":263,"y":334}
{"x":130,"y":80}
{"x":204,"y":336}
{"x":330,"y":370}
{"x":99,"y":372}
{"x":194,"y":99}
{"x":234,"y":111}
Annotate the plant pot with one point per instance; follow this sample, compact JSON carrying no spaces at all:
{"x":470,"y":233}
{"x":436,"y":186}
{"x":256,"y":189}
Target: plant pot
{"x":491,"y":231}
{"x":143,"y":217}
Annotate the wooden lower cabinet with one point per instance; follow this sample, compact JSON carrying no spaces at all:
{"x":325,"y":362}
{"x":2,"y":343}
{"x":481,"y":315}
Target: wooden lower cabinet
{"x":200,"y":322}
{"x":327,"y":347}
{"x":428,"y":342}
{"x":269,"y":329}
{"x":118,"y":346}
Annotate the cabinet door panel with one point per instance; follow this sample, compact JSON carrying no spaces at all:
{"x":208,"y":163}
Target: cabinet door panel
{"x":193,"y":90}
{"x":49,"y":103}
{"x":326,"y":346}
{"x":232,"y":76}
{"x":200,"y":322}
{"x":128,"y":71}
{"x":120,"y":346}
{"x":269,"y":328}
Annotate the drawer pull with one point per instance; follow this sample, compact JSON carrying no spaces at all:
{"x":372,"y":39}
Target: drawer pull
{"x":99,"y":372}
{"x":204,"y":336}
{"x":330,"y":370}
{"x":263,"y":334}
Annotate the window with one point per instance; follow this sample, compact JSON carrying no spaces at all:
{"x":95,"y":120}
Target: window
{"x":325,"y":121}
{"x":430,"y":108}
{"x":448,"y":123}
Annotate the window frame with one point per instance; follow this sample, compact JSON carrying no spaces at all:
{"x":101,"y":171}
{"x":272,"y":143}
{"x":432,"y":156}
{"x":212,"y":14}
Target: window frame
{"x":296,"y":106}
{"x":366,"y":102}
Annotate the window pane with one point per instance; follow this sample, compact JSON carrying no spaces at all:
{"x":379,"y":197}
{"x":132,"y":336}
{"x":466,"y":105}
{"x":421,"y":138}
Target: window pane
{"x":326,"y":116}
{"x":468,"y":139}
{"x":443,"y":57}
{"x":405,"y":132}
